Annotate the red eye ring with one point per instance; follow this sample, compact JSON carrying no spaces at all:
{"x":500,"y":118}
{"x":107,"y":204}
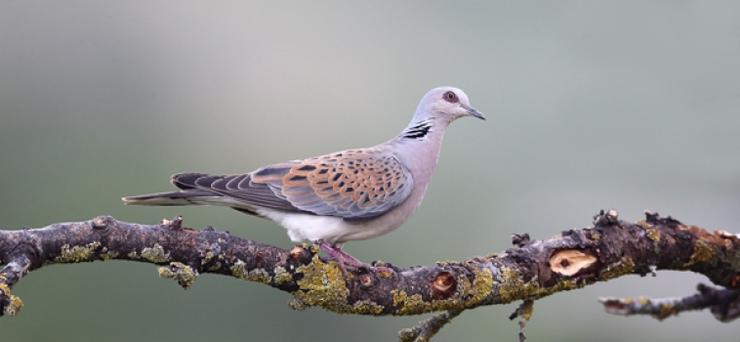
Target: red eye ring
{"x":450,"y":96}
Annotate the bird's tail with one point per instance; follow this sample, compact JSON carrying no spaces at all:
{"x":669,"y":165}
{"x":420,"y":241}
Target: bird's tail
{"x":185,"y":197}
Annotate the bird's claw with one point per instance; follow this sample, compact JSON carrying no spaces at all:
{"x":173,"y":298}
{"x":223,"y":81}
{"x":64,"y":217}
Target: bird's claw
{"x":345,"y":260}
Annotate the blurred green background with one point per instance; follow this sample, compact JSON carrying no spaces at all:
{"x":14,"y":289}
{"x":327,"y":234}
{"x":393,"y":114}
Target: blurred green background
{"x":624,"y":104}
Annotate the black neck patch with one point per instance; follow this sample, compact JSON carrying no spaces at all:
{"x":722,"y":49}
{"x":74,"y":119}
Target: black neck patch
{"x":418,"y":131}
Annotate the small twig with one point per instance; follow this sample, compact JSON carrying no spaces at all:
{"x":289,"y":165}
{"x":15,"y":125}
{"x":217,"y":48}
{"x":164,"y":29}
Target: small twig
{"x":524,"y":312}
{"x":426,"y":329}
{"x":724,"y":304}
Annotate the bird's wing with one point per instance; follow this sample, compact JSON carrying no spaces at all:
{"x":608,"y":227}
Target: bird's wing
{"x":352,"y":184}
{"x":235,"y":188}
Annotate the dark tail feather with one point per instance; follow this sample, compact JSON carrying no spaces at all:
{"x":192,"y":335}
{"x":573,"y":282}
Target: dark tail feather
{"x":185,"y":197}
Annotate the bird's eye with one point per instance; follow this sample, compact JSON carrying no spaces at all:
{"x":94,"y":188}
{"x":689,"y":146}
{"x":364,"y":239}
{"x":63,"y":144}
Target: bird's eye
{"x":450,"y":96}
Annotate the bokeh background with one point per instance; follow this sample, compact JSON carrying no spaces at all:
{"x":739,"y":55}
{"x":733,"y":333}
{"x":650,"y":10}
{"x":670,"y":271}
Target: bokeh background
{"x":624,"y":104}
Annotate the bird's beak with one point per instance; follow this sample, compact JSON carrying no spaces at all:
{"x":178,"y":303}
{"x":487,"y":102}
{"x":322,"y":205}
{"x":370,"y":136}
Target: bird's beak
{"x":474,"y":112}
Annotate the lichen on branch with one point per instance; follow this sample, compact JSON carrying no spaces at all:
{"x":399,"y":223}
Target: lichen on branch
{"x":532,"y":269}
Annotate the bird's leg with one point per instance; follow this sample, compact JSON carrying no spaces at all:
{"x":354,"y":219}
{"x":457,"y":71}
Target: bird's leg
{"x":335,"y":252}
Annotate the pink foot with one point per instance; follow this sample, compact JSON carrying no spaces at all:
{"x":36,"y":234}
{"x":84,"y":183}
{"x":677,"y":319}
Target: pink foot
{"x":335,"y":252}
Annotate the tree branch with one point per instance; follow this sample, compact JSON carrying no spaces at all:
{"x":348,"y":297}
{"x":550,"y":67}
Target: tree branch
{"x":534,"y":269}
{"x":426,"y":329}
{"x":723,"y":303}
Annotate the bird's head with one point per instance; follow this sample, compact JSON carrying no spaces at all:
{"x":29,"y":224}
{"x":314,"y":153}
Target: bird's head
{"x":446,"y":104}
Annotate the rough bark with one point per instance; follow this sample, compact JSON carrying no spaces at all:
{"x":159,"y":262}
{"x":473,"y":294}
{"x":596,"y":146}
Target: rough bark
{"x":531,"y":270}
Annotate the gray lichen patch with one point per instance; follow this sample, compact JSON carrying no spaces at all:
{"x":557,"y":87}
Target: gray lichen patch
{"x":75,"y":254}
{"x":183,"y":274}
{"x":155,"y":254}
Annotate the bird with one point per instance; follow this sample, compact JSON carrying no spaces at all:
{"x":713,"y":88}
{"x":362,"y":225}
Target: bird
{"x":331,"y":199}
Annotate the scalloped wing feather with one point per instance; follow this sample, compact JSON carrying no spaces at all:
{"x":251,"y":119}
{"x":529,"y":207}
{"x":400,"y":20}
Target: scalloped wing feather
{"x":352,"y":184}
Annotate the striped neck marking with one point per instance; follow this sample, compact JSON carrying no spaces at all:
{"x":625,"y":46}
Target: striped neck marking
{"x":417,"y":131}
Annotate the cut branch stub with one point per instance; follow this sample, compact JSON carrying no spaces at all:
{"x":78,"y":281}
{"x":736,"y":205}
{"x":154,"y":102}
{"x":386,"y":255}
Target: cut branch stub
{"x":299,"y":255}
{"x":570,"y":261}
{"x":444,"y":285}
{"x":366,"y":280}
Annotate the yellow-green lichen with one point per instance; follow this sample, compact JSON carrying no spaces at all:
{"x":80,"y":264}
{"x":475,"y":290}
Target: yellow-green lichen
{"x":323,"y":285}
{"x":15,"y":303}
{"x":76,"y":254}
{"x":512,"y":287}
{"x":482,"y":286}
{"x":4,"y":289}
{"x":624,"y":266}
{"x":239,"y":270}
{"x":259,"y":275}
{"x":282,"y":276}
{"x":296,"y":304}
{"x":644,"y":224}
{"x":666,"y":310}
{"x":183,"y":274}
{"x":406,"y":304}
{"x":106,"y":254}
{"x":526,"y":310}
{"x":702,"y":253}
{"x":155,"y":254}
{"x":469,"y":294}
{"x":313,"y":248}
{"x":367,"y":307}
{"x":208,"y":256}
{"x":652,"y":234}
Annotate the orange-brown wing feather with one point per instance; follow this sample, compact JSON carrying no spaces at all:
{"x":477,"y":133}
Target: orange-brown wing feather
{"x":350,"y":184}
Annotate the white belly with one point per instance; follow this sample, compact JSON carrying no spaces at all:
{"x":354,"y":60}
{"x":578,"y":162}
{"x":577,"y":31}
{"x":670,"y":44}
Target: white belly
{"x":306,"y":227}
